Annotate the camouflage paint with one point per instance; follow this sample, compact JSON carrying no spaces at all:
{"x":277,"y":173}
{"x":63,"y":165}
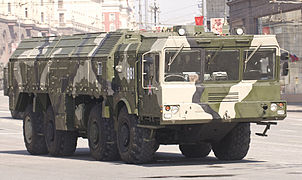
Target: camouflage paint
{"x":69,"y":67}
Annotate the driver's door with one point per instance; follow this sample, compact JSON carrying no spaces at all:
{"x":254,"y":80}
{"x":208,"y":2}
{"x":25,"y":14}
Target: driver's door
{"x":149,"y":85}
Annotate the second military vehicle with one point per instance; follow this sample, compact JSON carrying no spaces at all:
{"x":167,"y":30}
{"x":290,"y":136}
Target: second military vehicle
{"x":128,"y":92}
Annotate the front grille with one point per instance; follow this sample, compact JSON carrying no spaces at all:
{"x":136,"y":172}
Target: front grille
{"x":223,"y":97}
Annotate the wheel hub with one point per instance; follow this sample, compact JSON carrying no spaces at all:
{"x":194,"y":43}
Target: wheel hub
{"x":94,"y":133}
{"x":28,"y":131}
{"x":50,"y":131}
{"x":124,"y":136}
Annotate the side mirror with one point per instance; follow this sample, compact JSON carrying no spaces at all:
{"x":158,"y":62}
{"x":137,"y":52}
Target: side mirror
{"x":285,"y":69}
{"x":284,"y":56}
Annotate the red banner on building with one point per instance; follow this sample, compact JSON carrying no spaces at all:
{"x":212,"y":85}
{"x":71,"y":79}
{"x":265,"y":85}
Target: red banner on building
{"x":199,"y":21}
{"x":266,"y":30}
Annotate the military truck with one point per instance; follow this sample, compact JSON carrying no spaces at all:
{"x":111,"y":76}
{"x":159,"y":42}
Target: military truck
{"x":127,"y":92}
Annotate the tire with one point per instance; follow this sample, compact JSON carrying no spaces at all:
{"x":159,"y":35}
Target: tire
{"x":33,"y":131}
{"x":136,"y":145}
{"x":101,"y":136}
{"x":235,"y":145}
{"x":17,"y":115}
{"x":59,"y":143}
{"x":195,"y":150}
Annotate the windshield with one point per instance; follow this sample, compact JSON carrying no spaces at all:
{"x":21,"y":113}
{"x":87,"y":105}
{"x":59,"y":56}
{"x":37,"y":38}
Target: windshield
{"x":183,"y":65}
{"x":261,"y":65}
{"x":222,"y":65}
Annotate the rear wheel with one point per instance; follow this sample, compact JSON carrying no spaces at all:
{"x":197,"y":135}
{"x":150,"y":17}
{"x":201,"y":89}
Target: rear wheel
{"x":195,"y":150}
{"x":33,"y":132}
{"x":136,"y":145}
{"x":101,"y":136}
{"x":59,"y":143}
{"x":235,"y":145}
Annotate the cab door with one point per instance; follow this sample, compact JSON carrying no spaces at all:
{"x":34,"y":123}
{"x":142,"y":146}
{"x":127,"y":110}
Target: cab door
{"x":149,"y":94}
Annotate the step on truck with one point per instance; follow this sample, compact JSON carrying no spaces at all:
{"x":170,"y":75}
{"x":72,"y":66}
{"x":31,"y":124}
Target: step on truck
{"x":128,"y":92}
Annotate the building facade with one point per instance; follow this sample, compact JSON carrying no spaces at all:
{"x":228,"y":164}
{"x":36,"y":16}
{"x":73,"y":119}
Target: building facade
{"x":21,"y":19}
{"x":217,"y":9}
{"x":281,"y":19}
{"x":118,"y":14}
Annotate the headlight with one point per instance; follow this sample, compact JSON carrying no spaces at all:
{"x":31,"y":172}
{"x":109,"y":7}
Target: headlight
{"x":167,"y":116}
{"x":274,"y":107}
{"x":174,"y":109}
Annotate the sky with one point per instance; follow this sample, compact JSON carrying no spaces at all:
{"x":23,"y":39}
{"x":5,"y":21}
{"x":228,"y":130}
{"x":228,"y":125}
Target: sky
{"x":177,"y":11}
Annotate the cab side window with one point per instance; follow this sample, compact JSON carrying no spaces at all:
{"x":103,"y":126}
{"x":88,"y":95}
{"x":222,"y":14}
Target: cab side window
{"x":151,"y":69}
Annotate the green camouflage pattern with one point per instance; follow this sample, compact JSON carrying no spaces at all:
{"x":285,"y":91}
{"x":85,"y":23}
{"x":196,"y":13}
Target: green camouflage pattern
{"x":71,"y":72}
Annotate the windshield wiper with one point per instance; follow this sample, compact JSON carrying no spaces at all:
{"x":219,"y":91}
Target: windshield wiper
{"x":250,"y":56}
{"x":216,"y":53}
{"x":174,"y":57}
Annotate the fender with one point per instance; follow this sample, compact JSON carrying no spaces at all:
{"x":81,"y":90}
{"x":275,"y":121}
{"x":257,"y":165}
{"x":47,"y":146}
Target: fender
{"x":127,"y":104}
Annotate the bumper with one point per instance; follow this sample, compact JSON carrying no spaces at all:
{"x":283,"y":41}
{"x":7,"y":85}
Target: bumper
{"x":193,"y":113}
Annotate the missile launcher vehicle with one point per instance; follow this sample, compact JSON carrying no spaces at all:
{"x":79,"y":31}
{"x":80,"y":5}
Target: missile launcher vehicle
{"x":127,"y":92}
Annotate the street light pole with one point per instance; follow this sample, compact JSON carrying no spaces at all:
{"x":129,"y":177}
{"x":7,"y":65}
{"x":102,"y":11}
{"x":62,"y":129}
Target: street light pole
{"x":140,"y":14}
{"x":205,"y":21}
{"x":146,"y":15}
{"x":19,"y":26}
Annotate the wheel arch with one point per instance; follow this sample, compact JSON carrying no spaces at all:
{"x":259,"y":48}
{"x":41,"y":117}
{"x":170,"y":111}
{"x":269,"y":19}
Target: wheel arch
{"x":40,"y":102}
{"x":123,"y":102}
{"x":23,"y":100}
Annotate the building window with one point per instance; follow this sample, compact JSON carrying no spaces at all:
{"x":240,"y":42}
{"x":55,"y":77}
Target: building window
{"x":112,"y":27}
{"x":42,"y":17}
{"x":60,"y":4}
{"x":9,"y":8}
{"x":26,"y":12}
{"x":61,"y":17}
{"x":112,"y":17}
{"x":4,"y":35}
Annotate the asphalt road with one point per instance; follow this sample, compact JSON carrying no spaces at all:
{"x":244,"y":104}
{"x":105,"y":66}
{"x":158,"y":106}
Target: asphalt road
{"x":278,"y":156}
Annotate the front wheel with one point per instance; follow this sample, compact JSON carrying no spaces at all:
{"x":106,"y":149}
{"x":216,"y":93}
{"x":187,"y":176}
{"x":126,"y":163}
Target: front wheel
{"x":195,"y":150}
{"x":235,"y":145}
{"x":136,"y":145}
